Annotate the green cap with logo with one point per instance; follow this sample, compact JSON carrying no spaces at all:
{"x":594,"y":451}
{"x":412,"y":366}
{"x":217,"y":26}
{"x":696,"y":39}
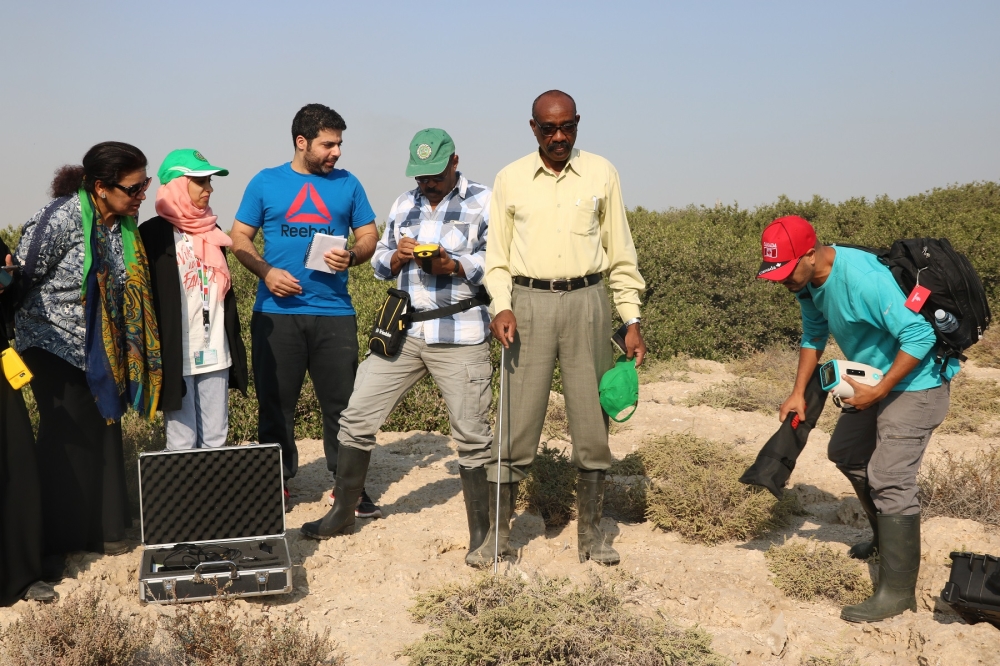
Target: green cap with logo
{"x":430,"y":151}
{"x":187,"y":162}
{"x":619,"y":389}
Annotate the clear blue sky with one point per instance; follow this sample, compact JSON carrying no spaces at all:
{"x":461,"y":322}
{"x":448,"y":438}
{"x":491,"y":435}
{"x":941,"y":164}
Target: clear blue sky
{"x":693,"y":102}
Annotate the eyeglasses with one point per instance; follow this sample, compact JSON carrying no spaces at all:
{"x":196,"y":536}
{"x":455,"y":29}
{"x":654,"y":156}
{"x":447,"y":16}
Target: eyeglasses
{"x":423,"y":180}
{"x":550,"y":130}
{"x":134,"y":190}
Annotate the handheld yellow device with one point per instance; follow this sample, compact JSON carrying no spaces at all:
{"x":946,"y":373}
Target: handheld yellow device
{"x":425,"y":253}
{"x":16,"y":371}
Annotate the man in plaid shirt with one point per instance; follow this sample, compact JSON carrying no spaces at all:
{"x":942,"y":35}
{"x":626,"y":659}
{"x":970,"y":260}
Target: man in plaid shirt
{"x":448,"y":210}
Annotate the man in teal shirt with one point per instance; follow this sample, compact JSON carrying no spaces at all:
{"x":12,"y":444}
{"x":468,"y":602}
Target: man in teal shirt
{"x":881,"y":437}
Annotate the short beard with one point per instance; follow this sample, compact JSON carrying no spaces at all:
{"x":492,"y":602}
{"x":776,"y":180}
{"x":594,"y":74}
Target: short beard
{"x":315,"y":166}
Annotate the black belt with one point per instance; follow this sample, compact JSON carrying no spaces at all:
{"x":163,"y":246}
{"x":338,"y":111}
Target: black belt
{"x":558,"y":285}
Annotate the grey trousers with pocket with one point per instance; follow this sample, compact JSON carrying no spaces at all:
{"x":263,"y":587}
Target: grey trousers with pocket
{"x":462,"y":372}
{"x":575,"y":328}
{"x":887,"y":442}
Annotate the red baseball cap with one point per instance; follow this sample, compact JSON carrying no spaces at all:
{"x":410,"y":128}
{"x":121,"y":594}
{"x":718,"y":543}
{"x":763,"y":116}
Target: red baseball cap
{"x":782,"y":244}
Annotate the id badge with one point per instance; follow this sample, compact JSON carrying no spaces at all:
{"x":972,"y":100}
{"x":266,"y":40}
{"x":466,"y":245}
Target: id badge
{"x":206,"y":357}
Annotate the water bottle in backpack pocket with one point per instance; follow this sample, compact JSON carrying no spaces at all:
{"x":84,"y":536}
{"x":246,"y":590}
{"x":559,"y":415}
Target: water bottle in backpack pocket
{"x":950,"y":328}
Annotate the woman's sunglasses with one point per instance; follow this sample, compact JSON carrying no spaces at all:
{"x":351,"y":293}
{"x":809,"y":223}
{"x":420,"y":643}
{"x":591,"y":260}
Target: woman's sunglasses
{"x":134,"y":190}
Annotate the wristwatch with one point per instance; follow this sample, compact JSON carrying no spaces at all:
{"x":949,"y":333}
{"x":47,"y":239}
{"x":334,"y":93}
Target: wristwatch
{"x":458,"y":267}
{"x":354,"y":258}
{"x":633,"y":320}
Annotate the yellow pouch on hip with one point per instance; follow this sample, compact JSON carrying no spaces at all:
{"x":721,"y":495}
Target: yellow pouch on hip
{"x":14,"y":369}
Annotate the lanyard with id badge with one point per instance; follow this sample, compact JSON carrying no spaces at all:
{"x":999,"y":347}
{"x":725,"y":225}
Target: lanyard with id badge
{"x":205,"y":356}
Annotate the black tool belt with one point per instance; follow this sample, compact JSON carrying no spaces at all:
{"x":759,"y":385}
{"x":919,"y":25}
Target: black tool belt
{"x":558,"y":285}
{"x":396,"y":315}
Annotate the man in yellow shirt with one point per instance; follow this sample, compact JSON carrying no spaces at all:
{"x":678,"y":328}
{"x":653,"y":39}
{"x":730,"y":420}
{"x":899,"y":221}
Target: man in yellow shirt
{"x":557,"y":223}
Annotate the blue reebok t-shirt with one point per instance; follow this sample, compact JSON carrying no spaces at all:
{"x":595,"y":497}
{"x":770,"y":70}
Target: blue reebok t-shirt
{"x":292,"y":207}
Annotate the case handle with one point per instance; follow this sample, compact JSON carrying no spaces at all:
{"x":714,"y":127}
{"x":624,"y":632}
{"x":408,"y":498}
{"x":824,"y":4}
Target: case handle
{"x":234,"y":572}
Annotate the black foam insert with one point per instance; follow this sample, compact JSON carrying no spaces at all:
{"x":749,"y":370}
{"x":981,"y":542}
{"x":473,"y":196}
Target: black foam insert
{"x":231,"y":492}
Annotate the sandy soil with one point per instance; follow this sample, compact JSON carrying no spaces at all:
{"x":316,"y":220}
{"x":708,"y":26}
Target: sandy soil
{"x":360,"y":586}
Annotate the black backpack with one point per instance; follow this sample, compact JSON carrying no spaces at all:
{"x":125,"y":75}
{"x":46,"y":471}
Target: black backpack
{"x":954,"y":285}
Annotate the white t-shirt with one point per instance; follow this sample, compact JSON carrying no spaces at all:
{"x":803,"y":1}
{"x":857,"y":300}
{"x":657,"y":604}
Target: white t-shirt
{"x":200,"y":356}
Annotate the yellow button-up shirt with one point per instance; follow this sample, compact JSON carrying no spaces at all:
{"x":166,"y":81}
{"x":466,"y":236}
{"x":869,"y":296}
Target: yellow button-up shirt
{"x":552,"y":226}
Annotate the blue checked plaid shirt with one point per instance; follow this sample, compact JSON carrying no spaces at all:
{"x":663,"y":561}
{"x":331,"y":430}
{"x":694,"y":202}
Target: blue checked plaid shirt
{"x":459,"y":225}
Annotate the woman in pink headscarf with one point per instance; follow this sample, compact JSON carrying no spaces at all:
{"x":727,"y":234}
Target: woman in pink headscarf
{"x":203,"y":353}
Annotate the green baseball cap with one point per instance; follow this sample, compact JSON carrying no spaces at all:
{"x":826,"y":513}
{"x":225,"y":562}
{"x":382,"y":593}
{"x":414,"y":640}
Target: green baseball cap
{"x":430,"y":151}
{"x":187,"y":162}
{"x":619,"y":389}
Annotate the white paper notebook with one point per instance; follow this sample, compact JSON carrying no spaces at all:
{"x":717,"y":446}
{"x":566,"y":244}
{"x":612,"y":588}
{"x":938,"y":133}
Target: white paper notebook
{"x":320,"y":245}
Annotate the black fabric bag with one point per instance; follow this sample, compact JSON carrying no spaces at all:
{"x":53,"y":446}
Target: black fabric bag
{"x":954,"y":285}
{"x":395,"y":316}
{"x":973,"y":589}
{"x":776,"y":460}
{"x":390,"y":324}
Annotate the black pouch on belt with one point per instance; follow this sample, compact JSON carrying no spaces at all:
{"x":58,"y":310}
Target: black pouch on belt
{"x":391,"y":322}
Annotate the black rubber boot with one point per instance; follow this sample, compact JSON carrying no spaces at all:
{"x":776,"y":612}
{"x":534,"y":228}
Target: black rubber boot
{"x":41,"y":591}
{"x":497,"y":539}
{"x":865,"y":549}
{"x":899,"y":563}
{"x":352,"y":468}
{"x":592,"y":543}
{"x":475,"y":489}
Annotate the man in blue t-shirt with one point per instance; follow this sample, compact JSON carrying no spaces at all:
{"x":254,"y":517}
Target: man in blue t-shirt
{"x":303,"y":319}
{"x":881,"y":437}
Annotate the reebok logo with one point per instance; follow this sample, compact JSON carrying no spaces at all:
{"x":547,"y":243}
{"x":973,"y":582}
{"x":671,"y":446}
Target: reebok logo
{"x":319,"y":213}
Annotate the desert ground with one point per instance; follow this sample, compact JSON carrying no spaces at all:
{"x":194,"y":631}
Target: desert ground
{"x":360,"y":586}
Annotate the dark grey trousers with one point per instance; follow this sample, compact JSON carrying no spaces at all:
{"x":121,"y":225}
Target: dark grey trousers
{"x":887,"y":442}
{"x":283,"y":348}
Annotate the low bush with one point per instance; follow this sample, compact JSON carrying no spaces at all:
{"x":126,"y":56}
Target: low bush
{"x":962,"y":487}
{"x":974,"y":407}
{"x":505,"y":620}
{"x":810,"y":571}
{"x":986,"y":352}
{"x":550,"y":488}
{"x":695,"y":491}
{"x":82,"y":630}
{"x":626,"y":488}
{"x":211,"y":634}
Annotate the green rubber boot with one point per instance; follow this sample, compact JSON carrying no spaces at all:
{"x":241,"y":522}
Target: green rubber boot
{"x":475,"y":490}
{"x":592,"y":542}
{"x":498,"y":536}
{"x":865,"y":549}
{"x":899,"y":563}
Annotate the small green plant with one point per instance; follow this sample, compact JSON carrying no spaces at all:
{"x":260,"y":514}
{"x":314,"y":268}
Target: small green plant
{"x":962,"y":487}
{"x":506,"y":620}
{"x":550,"y":489}
{"x":82,"y":630}
{"x":695,"y":491}
{"x":810,"y":571}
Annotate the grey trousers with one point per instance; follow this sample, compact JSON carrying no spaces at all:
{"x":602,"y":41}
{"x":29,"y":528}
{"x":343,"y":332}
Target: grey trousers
{"x":462,"y":372}
{"x":203,"y":419}
{"x":887,"y":442}
{"x":574,"y":327}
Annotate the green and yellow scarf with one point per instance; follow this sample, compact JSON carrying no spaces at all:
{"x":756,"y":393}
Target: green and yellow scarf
{"x":123,"y":347}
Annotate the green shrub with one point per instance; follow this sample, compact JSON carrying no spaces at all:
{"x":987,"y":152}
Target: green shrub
{"x":550,"y":488}
{"x":809,"y":571}
{"x":696,"y":491}
{"x":504,"y":621}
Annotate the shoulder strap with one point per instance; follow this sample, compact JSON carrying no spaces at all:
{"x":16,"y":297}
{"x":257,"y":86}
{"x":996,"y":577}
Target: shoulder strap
{"x":481,"y":298}
{"x":28,"y":269}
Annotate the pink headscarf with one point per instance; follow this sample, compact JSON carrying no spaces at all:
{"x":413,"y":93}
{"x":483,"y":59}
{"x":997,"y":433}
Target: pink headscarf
{"x":173,"y":203}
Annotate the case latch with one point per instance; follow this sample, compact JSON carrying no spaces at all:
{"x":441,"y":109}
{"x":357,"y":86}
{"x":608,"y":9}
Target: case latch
{"x":170,"y":588}
{"x":262,"y":577}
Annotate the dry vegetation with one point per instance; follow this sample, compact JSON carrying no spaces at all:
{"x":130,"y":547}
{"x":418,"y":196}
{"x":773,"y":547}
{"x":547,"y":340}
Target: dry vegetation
{"x":695,"y":491}
{"x":509,"y":620}
{"x":809,"y":571}
{"x":671,"y":369}
{"x":833,"y":658}
{"x":986,"y":352}
{"x":974,"y":408}
{"x":626,"y":488}
{"x":962,"y":487}
{"x":550,"y":489}
{"x":86,"y":630}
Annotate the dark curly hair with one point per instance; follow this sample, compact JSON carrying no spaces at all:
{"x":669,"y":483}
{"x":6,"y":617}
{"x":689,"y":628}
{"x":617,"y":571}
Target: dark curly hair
{"x":105,"y":162}
{"x":312,"y":119}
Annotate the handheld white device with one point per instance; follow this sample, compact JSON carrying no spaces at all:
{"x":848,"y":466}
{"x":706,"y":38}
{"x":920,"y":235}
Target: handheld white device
{"x":830,"y":374}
